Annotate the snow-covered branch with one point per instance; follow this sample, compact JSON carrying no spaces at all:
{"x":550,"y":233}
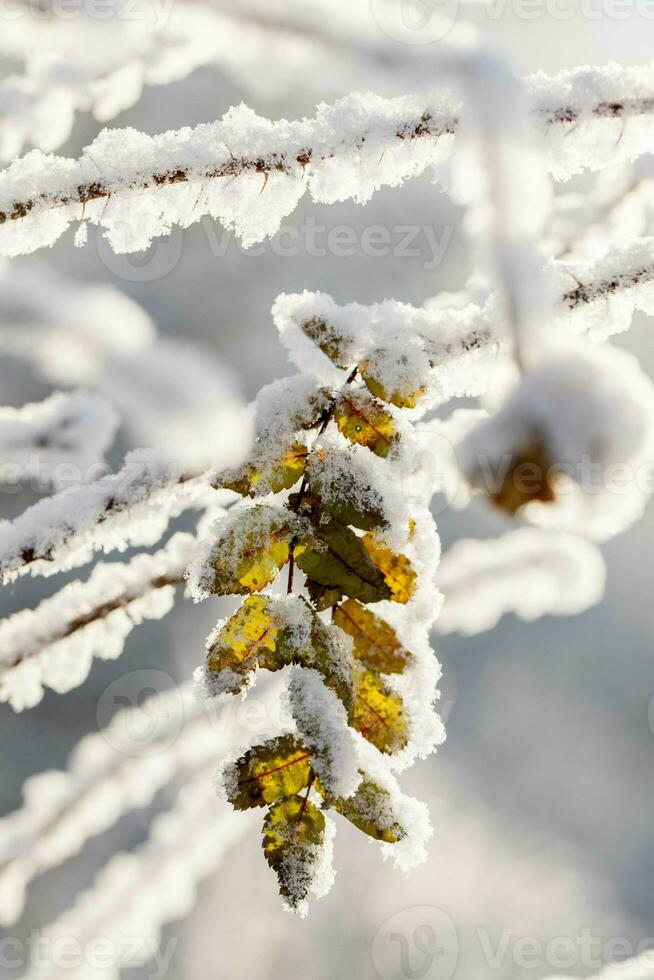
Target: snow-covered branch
{"x":601,"y":297}
{"x":617,"y":209}
{"x":139,"y":892}
{"x":54,"y":644}
{"x":263,"y":55}
{"x":137,"y":186}
{"x":131,"y":507}
{"x":528,"y":572}
{"x":121,"y":768}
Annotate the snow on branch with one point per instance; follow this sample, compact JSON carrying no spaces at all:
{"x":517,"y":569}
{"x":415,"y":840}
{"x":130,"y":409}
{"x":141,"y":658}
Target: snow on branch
{"x":56,"y":441}
{"x":54,"y":644}
{"x":449,"y":351}
{"x":38,"y":107}
{"x":137,"y":893}
{"x":601,"y":297}
{"x":131,"y":507}
{"x":441,"y":353}
{"x":618,"y":208}
{"x":249,"y":172}
{"x":110,"y":772}
{"x":528,"y":572}
{"x":121,"y":768}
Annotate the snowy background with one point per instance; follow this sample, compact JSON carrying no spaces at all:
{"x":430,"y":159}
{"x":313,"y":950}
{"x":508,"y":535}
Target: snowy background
{"x":542,"y":796}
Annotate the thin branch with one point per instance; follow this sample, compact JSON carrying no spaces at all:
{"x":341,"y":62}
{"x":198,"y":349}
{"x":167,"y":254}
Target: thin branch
{"x":132,"y":506}
{"x":241,"y":145}
{"x":277,"y":159}
{"x":54,"y":644}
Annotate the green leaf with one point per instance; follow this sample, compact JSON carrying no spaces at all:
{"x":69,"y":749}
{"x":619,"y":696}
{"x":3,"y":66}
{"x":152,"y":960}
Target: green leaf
{"x":328,"y":657}
{"x":378,"y":713}
{"x":266,"y":773}
{"x":370,"y":809}
{"x":375,"y":642}
{"x":397,"y":570}
{"x":336,"y":558}
{"x":293,"y":841}
{"x":266,"y":472}
{"x":343,"y":491}
{"x":248,"y":554}
{"x":365,"y":421}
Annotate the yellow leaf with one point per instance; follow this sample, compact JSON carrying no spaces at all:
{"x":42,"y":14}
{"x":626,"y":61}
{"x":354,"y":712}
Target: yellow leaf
{"x":247,"y":640}
{"x":363,"y":420}
{"x":293,"y":840}
{"x":378,"y":713}
{"x":337,"y":560}
{"x":403,"y":397}
{"x":266,"y":633}
{"x":370,"y":810}
{"x":253,"y":547}
{"x":375,"y":642}
{"x":267,"y":773}
{"x":267,"y":473}
{"x":398,"y":573}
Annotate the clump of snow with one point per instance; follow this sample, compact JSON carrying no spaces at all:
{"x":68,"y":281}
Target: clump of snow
{"x":600,"y":298}
{"x":591,"y":409}
{"x":321,"y":720}
{"x":446,"y":352}
{"x":410,"y":814}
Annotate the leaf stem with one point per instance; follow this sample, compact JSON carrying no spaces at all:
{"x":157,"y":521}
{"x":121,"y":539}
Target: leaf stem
{"x":327,"y":417}
{"x":312,"y":777}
